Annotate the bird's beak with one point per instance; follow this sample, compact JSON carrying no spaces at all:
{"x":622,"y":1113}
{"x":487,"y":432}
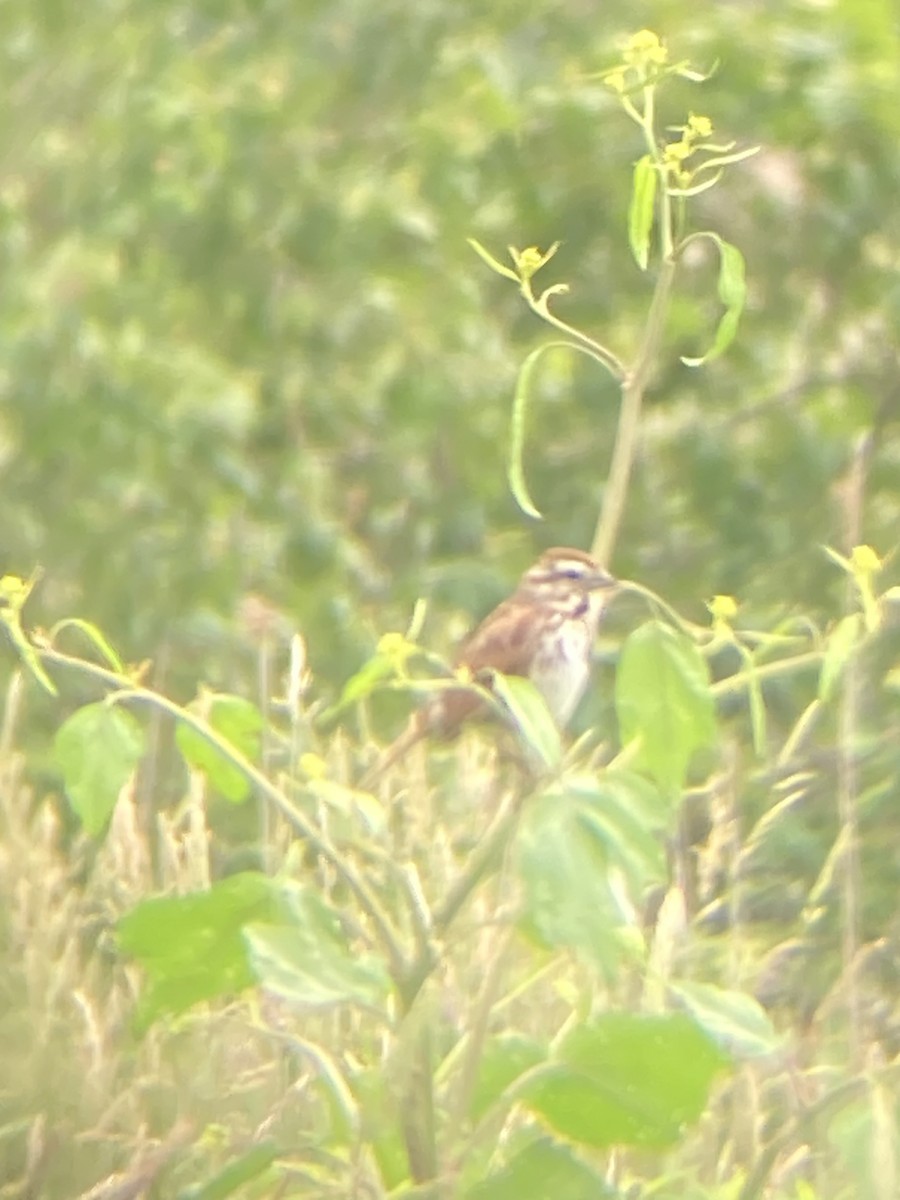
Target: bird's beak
{"x":601,"y":580}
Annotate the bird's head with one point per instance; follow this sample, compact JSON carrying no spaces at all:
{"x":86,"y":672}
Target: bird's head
{"x":575,"y":570}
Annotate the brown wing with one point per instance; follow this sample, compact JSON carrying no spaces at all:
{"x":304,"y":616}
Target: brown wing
{"x":504,"y":641}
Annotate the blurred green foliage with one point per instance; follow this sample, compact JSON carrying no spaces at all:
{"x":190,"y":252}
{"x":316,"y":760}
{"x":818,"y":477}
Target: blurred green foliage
{"x":249,"y":358}
{"x":245,"y":344}
{"x":247,"y":349}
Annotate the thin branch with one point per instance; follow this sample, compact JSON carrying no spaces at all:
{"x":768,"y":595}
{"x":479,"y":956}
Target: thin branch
{"x":784,"y":666}
{"x":477,"y":865}
{"x":589,"y":345}
{"x":844,"y":1093}
{"x":475,"y":1038}
{"x":625,"y":448}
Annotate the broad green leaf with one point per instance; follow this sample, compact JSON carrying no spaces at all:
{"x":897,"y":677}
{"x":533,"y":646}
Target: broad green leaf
{"x":543,"y":1169}
{"x":308,"y":959}
{"x":239,"y":722}
{"x":842,"y":641}
{"x":569,"y":900}
{"x":531,"y":716}
{"x":640,"y":213}
{"x":735,"y":1020}
{"x":627,"y":1079}
{"x":191,"y":947}
{"x":505,"y":1058}
{"x":732,"y":290}
{"x":97,"y":748}
{"x":627,"y":815}
{"x":663,"y":699}
{"x":231,"y":1179}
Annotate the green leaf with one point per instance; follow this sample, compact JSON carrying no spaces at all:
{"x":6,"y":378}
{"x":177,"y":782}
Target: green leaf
{"x":515,"y":471}
{"x":239,"y":722}
{"x":96,"y":639}
{"x":544,"y":1168}
{"x":732,"y":289}
{"x":627,"y":815}
{"x":732,"y":282}
{"x":191,"y":947}
{"x":97,"y":748}
{"x":735,"y":1020}
{"x":757,"y":708}
{"x":375,"y":671}
{"x":663,"y":699}
{"x":531,"y":716}
{"x":308,"y":960}
{"x":243,"y":1169}
{"x":568,"y":899}
{"x":697,"y":189}
{"x":504,"y":1059}
{"x":842,"y":641}
{"x":627,"y":1079}
{"x":641,"y":210}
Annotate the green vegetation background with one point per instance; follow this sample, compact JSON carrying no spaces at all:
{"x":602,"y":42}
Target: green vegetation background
{"x":246,"y":347}
{"x":248,"y":352}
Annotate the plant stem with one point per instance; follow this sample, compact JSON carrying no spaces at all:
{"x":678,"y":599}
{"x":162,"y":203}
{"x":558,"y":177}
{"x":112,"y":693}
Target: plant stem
{"x":633,"y":388}
{"x":785,"y":666}
{"x":477,"y":865}
{"x":582,"y":341}
{"x":841,"y":1095}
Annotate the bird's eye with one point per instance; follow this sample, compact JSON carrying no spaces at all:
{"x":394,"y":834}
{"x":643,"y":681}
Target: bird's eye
{"x":572,"y":573}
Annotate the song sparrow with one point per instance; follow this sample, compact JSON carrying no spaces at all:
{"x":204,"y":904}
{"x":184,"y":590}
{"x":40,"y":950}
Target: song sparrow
{"x":544,"y":631}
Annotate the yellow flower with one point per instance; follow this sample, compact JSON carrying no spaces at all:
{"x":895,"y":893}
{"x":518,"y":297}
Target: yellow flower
{"x":392,"y":644}
{"x":530,"y":260}
{"x":677,"y":152}
{"x":699,"y":126}
{"x":396,"y":650}
{"x":313,"y":766}
{"x":723,"y":609}
{"x":645,"y":48}
{"x":13,"y":590}
{"x":615,"y":80}
{"x":865,"y":561}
